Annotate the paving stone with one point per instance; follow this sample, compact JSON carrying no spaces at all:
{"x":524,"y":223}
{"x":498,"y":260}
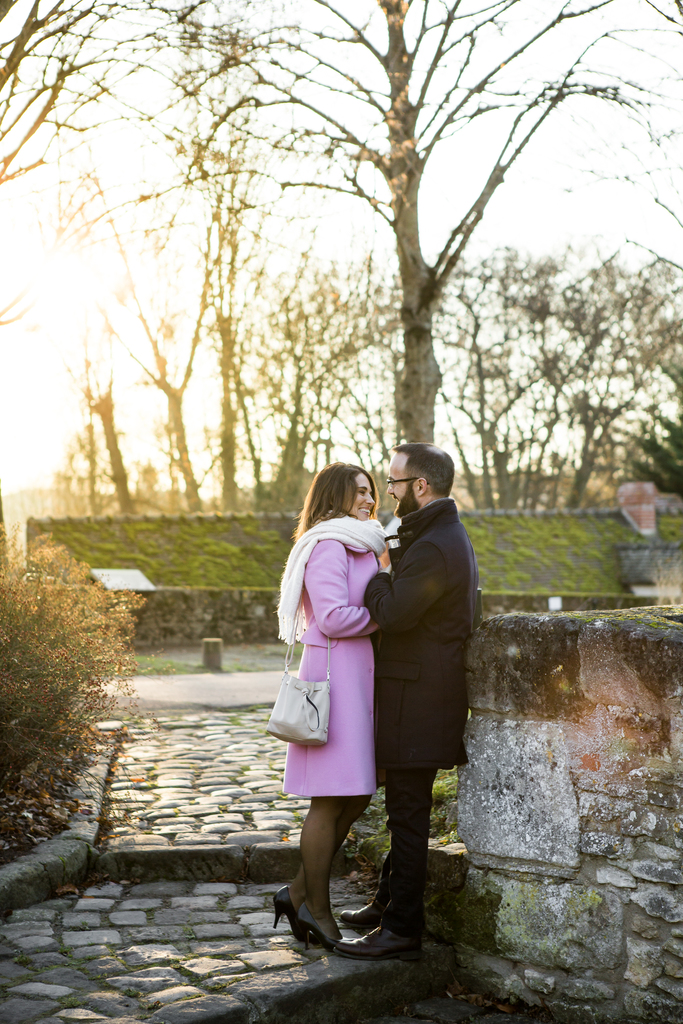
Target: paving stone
{"x":244,"y":903}
{"x":260,"y":917}
{"x":38,"y":988}
{"x":105,"y":966}
{"x":221,"y":828}
{"x":216,"y":948}
{"x":155,"y":933}
{"x":33,"y":914}
{"x":136,"y":956}
{"x":111,"y":889}
{"x":139,"y":904}
{"x":81,"y":919}
{"x":215,"y":889}
{"x":163,"y":889}
{"x":128,"y":917}
{"x":33,"y":943}
{"x":86,"y":938}
{"x":217,"y":931}
{"x":208,"y":1010}
{"x":225,"y":977}
{"x":88,"y":952}
{"x":113,"y":1004}
{"x":94,"y":903}
{"x":43,"y":960}
{"x":271,"y":958}
{"x":203,"y":966}
{"x":170,"y":916}
{"x":21,"y":929}
{"x":445,"y":1011}
{"x":198,"y":839}
{"x":14,"y":1010}
{"x":9,"y":971}
{"x":172,"y":995}
{"x":79,"y":1013}
{"x":65,"y":976}
{"x":204,"y":902}
{"x":150,"y":980}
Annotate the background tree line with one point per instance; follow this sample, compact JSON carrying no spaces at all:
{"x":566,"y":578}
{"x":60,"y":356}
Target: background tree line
{"x":542,"y":374}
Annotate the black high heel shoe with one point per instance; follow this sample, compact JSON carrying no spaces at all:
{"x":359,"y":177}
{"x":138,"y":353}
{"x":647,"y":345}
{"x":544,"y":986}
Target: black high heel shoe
{"x":310,"y":926}
{"x":282,"y":902}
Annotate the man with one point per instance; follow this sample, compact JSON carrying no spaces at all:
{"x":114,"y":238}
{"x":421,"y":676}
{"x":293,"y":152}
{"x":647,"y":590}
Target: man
{"x":425,"y":610}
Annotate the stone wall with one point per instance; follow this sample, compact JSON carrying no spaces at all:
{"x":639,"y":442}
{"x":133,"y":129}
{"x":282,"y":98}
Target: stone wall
{"x":571,"y":810}
{"x":184,"y":615}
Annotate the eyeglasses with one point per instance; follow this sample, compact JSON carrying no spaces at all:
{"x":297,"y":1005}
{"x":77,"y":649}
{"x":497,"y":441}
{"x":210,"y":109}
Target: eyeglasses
{"x":405,"y":480}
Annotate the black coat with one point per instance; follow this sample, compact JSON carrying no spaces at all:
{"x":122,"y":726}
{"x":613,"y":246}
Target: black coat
{"x":425,"y":614}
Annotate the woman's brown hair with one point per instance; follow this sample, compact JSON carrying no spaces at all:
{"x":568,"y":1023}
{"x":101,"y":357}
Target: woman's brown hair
{"x":332,"y":494}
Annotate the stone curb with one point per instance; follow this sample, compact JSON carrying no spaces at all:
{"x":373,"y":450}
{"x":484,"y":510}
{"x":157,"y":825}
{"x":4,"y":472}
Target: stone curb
{"x":329,"y":991}
{"x":67,"y":857}
{"x":261,"y":863}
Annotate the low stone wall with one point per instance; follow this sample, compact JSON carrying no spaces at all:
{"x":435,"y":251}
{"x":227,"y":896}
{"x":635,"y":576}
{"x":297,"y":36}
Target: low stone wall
{"x":521,"y":601}
{"x":183,"y":615}
{"x":571,"y":810}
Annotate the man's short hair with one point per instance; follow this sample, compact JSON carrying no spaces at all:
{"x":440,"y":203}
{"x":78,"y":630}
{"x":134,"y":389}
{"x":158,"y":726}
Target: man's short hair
{"x":430,"y":462}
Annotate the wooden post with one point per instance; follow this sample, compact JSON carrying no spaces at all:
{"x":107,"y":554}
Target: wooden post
{"x":478,"y":611}
{"x":212,"y":653}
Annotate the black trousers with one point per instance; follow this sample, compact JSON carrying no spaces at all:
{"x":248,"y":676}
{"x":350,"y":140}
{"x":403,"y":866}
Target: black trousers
{"x":404,"y":872}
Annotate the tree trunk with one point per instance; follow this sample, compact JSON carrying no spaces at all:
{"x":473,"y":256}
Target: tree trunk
{"x":229,"y":414}
{"x":104,"y":408}
{"x":175,"y":415}
{"x":91,"y":456}
{"x":420,"y":380}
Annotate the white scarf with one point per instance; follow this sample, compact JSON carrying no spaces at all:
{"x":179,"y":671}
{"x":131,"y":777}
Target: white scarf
{"x":355,"y":533}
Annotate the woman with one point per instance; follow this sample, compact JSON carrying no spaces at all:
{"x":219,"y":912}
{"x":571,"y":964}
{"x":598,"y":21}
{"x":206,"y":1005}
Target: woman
{"x":335,"y":555}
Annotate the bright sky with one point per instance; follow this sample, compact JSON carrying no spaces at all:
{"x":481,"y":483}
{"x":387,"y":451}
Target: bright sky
{"x":549,"y":200}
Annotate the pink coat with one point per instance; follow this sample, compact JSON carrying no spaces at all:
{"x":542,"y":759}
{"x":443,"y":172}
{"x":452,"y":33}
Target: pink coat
{"x":334,"y":585}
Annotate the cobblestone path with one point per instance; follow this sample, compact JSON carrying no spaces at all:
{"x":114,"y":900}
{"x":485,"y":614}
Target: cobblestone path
{"x":188,"y":952}
{"x":127,"y":950}
{"x":205,"y":779}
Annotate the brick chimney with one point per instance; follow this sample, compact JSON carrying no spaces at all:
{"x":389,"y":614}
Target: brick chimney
{"x":638,"y":502}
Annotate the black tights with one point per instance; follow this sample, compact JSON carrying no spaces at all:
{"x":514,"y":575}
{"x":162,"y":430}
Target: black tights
{"x":326,"y":827}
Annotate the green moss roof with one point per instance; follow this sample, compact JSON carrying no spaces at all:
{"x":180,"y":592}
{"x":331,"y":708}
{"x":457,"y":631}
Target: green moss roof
{"x":540,"y":553}
{"x":184,"y":551}
{"x":548,"y":553}
{"x":670,"y":528}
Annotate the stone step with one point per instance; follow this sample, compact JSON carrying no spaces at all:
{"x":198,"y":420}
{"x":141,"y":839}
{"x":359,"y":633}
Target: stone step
{"x":261,"y":861}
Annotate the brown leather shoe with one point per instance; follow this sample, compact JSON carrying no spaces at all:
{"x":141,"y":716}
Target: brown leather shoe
{"x":368,"y":917}
{"x":380,"y":945}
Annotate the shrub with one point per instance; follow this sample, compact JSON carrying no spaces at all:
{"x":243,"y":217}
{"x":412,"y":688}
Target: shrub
{"x":63,"y":641}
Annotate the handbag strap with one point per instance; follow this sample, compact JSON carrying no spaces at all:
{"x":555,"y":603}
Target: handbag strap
{"x":290,"y":654}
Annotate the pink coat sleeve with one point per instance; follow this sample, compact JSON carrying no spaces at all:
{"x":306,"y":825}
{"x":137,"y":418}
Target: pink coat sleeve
{"x":326,"y":582}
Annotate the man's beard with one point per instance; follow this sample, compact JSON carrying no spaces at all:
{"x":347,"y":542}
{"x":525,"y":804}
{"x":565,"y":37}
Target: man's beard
{"x":407,"y":504}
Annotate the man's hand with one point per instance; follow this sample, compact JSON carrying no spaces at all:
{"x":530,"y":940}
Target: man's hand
{"x":384,"y":559}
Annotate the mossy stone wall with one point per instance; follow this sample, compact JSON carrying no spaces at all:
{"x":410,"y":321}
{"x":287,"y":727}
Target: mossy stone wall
{"x":571,"y":809}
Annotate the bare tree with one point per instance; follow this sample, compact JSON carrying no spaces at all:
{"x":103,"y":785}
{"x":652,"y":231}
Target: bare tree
{"x":384,"y":92}
{"x":298,"y":375}
{"x":163,"y":327}
{"x":549,"y":366}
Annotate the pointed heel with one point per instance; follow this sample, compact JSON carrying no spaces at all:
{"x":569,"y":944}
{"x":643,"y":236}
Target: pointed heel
{"x":310,"y":926}
{"x":282,"y":902}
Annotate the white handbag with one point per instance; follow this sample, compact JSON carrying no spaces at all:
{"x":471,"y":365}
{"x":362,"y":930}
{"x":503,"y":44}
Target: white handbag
{"x":302,"y":710}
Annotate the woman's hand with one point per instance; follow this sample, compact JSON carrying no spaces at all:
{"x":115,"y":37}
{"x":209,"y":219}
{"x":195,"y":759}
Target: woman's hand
{"x":384,"y":559}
